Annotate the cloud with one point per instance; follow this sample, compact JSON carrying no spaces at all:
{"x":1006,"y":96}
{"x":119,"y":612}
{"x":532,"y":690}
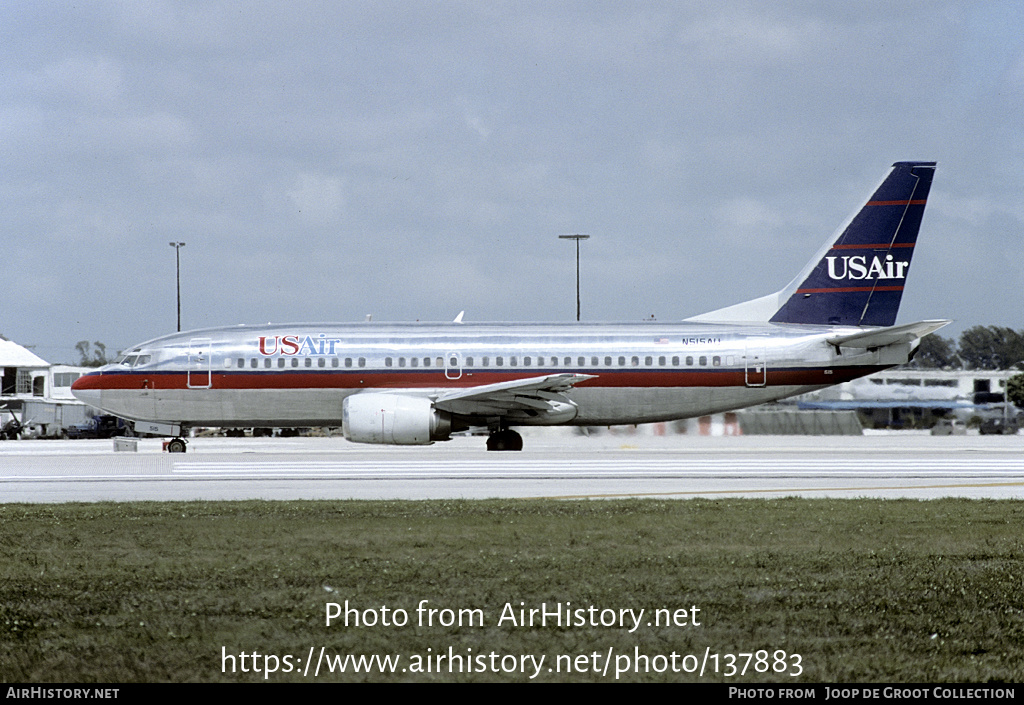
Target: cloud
{"x":707,"y":149}
{"x":319,"y":199}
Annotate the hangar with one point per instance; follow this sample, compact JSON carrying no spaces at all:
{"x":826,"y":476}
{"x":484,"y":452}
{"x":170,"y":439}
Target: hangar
{"x":37,"y":394}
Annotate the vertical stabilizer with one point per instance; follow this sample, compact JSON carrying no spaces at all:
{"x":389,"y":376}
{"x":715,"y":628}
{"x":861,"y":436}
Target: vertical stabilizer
{"x":857,"y":279}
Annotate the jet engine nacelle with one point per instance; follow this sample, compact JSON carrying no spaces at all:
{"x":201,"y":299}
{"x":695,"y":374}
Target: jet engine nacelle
{"x":393,"y":419}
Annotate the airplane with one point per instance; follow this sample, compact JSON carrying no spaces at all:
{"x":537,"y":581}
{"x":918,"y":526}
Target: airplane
{"x":417,"y":383}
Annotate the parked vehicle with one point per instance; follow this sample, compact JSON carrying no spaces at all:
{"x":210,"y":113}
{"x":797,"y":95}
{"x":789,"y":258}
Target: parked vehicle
{"x":997,"y":426}
{"x":949,"y":427}
{"x":101,"y":426}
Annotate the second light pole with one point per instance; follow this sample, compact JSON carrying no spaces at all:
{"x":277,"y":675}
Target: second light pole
{"x":177,"y":256}
{"x":577,"y":238}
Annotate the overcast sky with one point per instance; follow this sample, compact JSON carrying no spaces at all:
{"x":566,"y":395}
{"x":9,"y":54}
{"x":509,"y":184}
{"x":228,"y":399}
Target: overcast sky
{"x":324,"y":161}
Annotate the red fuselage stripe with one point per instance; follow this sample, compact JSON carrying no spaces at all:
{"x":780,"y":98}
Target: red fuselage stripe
{"x":354,"y":381}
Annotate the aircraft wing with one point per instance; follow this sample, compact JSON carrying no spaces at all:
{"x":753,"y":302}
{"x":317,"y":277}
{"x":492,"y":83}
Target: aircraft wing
{"x":891,"y":335}
{"x":533,"y":396}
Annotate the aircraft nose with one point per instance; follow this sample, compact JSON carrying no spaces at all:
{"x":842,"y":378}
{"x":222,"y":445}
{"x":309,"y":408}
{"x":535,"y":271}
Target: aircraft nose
{"x":83,"y":391}
{"x":92,"y":397}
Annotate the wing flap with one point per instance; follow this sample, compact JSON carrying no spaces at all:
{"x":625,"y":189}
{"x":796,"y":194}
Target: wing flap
{"x":532,"y":396}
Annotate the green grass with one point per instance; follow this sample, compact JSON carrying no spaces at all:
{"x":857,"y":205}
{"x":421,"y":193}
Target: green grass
{"x":863,"y":590}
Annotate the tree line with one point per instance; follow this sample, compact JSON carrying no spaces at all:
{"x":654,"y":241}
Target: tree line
{"x":92,"y":354}
{"x":979,"y":348}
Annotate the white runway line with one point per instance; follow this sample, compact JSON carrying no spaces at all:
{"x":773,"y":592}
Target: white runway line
{"x":613,"y":468}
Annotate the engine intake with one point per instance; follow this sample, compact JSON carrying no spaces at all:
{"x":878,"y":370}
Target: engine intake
{"x":393,"y":419}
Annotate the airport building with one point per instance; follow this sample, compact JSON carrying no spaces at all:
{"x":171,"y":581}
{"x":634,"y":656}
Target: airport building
{"x":916,"y":398}
{"x":36,"y":394}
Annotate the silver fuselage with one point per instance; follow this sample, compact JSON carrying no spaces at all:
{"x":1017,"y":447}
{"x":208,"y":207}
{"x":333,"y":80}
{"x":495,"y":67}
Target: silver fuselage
{"x":298,"y":375}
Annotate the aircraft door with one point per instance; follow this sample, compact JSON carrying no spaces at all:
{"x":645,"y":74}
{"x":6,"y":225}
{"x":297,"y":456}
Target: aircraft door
{"x":453,"y":365}
{"x":200,"y":367}
{"x":755,"y":361}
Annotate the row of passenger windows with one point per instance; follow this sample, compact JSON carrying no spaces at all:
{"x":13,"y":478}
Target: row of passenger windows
{"x":495,"y":361}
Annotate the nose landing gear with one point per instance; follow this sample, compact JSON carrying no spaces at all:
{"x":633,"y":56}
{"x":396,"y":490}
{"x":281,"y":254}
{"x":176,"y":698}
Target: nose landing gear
{"x":176,"y":445}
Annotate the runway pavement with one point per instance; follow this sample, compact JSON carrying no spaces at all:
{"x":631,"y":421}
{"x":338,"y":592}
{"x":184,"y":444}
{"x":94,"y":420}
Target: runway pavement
{"x":555,"y":463}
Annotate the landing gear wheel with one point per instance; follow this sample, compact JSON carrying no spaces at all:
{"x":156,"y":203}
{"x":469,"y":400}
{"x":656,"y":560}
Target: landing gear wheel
{"x":506,"y":439}
{"x":176,"y":446}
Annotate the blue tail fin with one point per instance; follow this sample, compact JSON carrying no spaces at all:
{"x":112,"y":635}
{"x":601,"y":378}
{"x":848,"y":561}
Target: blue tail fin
{"x":858,"y":278}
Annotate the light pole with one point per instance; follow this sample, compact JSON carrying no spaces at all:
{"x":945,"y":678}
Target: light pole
{"x":577,"y":238}
{"x":177,"y":256}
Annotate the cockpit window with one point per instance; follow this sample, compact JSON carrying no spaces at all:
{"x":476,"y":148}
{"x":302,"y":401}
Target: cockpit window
{"x":135,"y":360}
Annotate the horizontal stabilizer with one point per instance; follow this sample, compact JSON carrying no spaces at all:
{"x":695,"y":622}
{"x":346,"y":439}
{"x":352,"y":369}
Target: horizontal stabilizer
{"x":893,"y":335}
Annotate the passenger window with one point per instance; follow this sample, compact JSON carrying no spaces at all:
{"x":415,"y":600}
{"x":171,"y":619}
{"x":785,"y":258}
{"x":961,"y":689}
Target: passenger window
{"x":485,"y":361}
{"x":703,"y":360}
{"x":362,"y":362}
{"x":266,"y":363}
{"x":568,"y":361}
{"x":401,"y":362}
{"x":716,"y":361}
{"x":513,"y":361}
{"x":321,"y":362}
{"x":387,"y":362}
{"x":622,"y":361}
{"x":254,"y":363}
{"x":295,"y":362}
{"x":526,"y":361}
{"x":581,"y":361}
{"x":650,"y":360}
{"x":635,"y":360}
{"x":334,"y":362}
{"x":348,"y":362}
{"x":661,"y":360}
{"x":608,"y":360}
{"x":414,"y":362}
{"x":440,"y":362}
{"x":499,"y":361}
{"x":241,"y":362}
{"x":675,"y":361}
{"x":689,"y":360}
{"x":280,"y":362}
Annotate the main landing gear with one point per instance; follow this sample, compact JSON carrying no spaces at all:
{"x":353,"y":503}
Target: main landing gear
{"x":504,"y":439}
